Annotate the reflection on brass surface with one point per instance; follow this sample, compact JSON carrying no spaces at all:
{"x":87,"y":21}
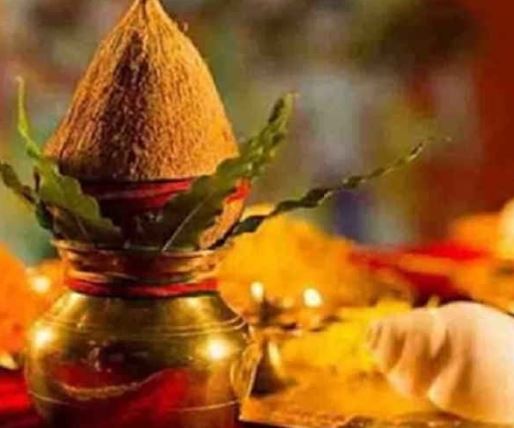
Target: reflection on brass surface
{"x":152,"y":363}
{"x":270,"y":376}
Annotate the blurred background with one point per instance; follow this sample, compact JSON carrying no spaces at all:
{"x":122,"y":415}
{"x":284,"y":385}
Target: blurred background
{"x":375,"y":77}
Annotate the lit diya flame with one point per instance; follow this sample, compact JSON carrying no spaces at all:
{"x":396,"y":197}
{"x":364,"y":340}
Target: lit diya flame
{"x":312,"y":298}
{"x":257,"y":292}
{"x":41,"y":284}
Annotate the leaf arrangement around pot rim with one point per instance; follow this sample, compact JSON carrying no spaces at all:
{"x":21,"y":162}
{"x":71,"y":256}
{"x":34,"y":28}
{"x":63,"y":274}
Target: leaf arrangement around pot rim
{"x":62,"y":206}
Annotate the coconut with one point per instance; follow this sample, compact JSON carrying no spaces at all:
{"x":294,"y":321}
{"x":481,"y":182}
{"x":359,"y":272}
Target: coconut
{"x":147,"y":110}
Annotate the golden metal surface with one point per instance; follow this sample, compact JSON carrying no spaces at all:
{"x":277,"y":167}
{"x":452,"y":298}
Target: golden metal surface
{"x":152,"y":363}
{"x":142,"y":266}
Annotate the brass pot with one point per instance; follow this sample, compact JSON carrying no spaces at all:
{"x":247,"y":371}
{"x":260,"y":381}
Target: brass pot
{"x":126,"y":362}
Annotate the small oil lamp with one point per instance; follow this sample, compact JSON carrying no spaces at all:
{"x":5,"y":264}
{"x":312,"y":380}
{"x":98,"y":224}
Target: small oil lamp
{"x":270,"y":376}
{"x":311,"y":314}
{"x":276,"y":322}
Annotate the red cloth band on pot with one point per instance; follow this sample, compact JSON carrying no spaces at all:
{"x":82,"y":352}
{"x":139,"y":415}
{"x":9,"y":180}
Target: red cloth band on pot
{"x":140,"y":197}
{"x":140,"y":291}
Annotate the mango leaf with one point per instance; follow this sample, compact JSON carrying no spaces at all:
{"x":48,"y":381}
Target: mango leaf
{"x":75,"y":215}
{"x":44,"y":217}
{"x":315,"y":197}
{"x":24,"y":127}
{"x":12,"y":181}
{"x":189,"y":214}
{"x":262,"y":148}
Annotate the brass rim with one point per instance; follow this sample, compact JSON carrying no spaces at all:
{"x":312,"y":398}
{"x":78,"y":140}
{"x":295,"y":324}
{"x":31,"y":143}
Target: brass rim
{"x":100,"y":249}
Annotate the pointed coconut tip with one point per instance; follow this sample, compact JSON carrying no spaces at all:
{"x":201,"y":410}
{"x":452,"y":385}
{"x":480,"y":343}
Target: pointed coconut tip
{"x":142,"y":6}
{"x":147,"y":108}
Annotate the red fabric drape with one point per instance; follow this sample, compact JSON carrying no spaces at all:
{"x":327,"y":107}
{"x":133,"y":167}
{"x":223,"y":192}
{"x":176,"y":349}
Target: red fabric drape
{"x":16,"y":410}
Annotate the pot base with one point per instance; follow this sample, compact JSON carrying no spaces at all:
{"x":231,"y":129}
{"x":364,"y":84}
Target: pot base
{"x":66,"y":416}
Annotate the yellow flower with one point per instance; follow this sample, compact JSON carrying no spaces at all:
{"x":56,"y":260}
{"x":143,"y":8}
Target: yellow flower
{"x":288,"y":256}
{"x":27,"y":294}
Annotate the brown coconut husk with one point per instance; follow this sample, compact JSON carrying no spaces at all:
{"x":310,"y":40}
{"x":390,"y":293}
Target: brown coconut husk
{"x":147,"y":108}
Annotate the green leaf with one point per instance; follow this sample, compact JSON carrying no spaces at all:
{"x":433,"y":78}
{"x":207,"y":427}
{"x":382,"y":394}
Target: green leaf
{"x":64,"y":207}
{"x":315,"y":197}
{"x":23,"y":122}
{"x":12,"y":181}
{"x":78,"y":215}
{"x":44,"y":217}
{"x":262,"y":148}
{"x":189,"y":214}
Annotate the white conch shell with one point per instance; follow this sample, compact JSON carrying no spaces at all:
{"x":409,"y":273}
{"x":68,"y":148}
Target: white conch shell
{"x":459,"y":357}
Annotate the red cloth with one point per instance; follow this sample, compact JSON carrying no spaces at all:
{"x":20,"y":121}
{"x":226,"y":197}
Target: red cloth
{"x":140,"y":197}
{"x":408,"y":263}
{"x":15,"y":408}
{"x":141,"y":291}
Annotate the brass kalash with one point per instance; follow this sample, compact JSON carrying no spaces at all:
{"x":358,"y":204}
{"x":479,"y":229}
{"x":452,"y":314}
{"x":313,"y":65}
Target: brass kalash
{"x":97,"y":361}
{"x":142,"y":339}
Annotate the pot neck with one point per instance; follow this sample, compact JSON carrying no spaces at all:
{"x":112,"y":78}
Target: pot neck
{"x":138,"y":274}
